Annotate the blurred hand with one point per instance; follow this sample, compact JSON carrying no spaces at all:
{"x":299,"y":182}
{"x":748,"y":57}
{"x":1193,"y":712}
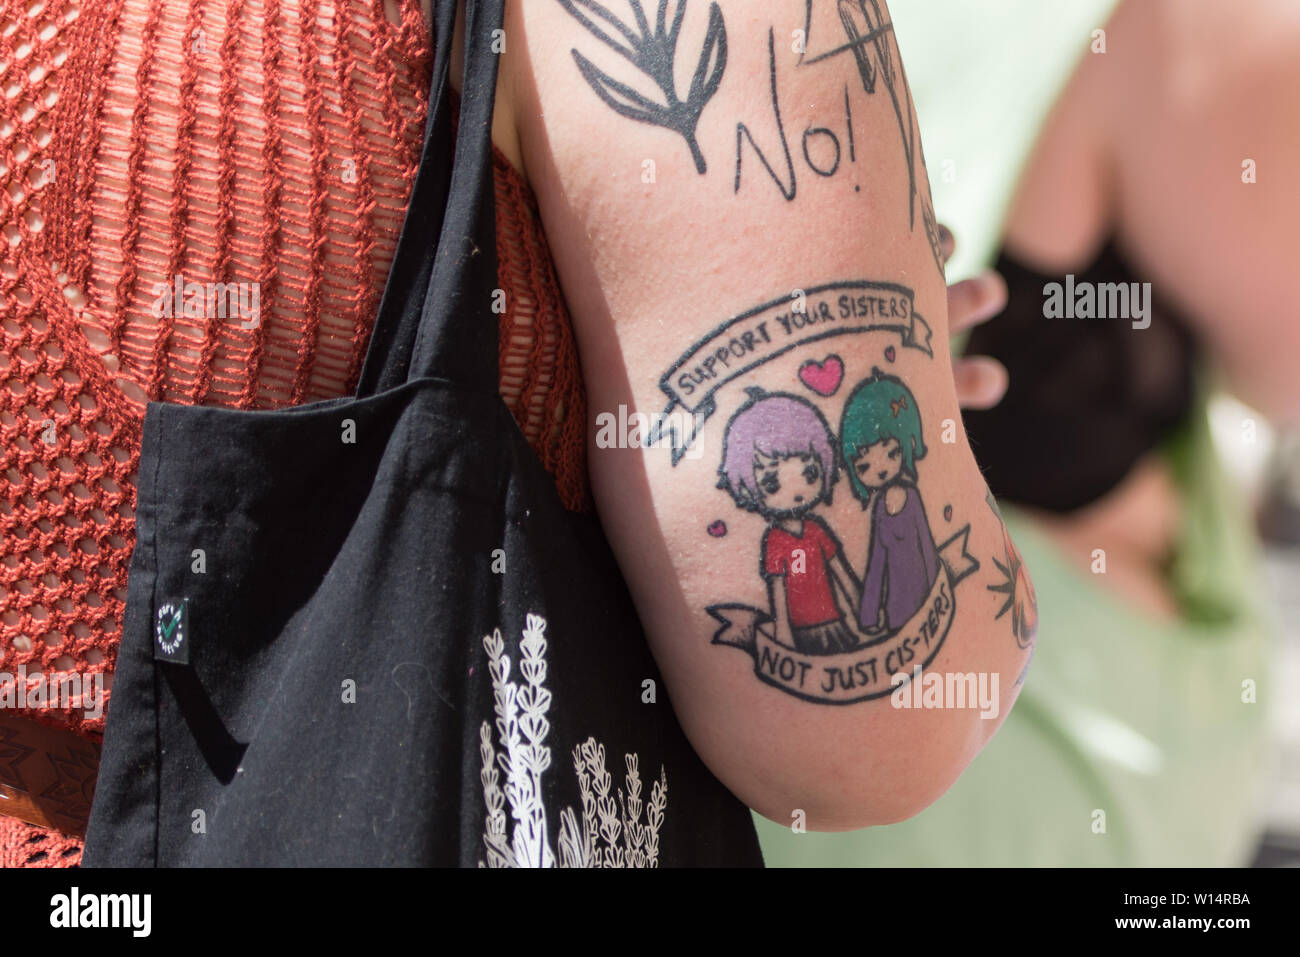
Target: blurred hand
{"x":981,"y":380}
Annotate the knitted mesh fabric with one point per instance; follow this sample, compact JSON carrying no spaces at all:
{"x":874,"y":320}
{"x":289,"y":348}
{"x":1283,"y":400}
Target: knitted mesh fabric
{"x":223,"y":141}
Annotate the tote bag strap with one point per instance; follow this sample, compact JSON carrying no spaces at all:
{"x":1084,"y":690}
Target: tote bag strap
{"x":436,"y":317}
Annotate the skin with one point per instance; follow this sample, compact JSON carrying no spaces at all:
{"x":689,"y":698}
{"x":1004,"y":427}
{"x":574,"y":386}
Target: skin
{"x":543,"y":153}
{"x":980,"y":381}
{"x":1146,"y":145}
{"x":641,"y":288}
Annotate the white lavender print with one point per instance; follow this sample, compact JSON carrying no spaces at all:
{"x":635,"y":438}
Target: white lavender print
{"x":610,"y":832}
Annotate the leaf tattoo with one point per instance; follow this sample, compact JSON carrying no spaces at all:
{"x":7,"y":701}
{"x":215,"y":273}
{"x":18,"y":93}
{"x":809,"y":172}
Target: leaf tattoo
{"x":653,"y":51}
{"x":1016,"y":588}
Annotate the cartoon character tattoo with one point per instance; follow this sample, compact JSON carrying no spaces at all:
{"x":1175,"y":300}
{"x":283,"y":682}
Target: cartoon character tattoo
{"x":824,"y":634}
{"x":779,"y":460}
{"x":881,"y":442}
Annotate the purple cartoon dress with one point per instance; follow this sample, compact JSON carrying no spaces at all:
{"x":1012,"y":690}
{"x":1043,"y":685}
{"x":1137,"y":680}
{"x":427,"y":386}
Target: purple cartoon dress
{"x":902,"y":563}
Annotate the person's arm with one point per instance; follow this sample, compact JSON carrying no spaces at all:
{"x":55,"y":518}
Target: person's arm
{"x":759,"y":220}
{"x":1175,"y":172}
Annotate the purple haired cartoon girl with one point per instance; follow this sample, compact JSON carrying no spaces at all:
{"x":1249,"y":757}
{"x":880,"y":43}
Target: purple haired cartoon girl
{"x":779,"y":460}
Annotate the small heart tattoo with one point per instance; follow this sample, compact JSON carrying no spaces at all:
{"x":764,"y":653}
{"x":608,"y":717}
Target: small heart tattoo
{"x":947,"y":513}
{"x":890,"y":354}
{"x":823,"y":377}
{"x":718,"y":529}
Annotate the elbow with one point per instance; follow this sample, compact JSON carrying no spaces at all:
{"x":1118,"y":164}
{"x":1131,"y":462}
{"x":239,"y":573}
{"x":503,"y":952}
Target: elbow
{"x":837,"y":790}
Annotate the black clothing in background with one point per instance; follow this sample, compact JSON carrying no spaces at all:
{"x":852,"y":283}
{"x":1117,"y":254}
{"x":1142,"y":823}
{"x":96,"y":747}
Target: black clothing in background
{"x":1087,"y":397}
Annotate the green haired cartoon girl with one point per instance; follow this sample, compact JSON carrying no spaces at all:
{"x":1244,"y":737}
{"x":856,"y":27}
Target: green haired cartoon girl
{"x":880,"y":438}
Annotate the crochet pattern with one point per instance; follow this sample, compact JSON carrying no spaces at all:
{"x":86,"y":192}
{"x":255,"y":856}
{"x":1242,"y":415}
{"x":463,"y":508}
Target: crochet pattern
{"x":229,"y":142}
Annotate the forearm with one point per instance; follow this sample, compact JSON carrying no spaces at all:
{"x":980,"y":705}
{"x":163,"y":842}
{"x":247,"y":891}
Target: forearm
{"x":781,"y":239}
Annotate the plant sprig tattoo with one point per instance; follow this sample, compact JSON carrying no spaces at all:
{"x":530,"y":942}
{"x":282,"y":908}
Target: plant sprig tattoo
{"x":653,"y":51}
{"x":1015,"y":587}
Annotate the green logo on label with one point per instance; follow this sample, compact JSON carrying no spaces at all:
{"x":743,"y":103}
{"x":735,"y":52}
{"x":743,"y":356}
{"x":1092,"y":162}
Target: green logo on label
{"x":169,"y":630}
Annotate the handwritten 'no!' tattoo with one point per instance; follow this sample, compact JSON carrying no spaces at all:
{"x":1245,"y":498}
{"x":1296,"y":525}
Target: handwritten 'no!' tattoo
{"x":868,"y":43}
{"x":834,"y":628}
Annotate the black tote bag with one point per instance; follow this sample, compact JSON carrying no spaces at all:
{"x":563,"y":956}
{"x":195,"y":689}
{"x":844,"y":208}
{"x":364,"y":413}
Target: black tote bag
{"x":397,"y":648}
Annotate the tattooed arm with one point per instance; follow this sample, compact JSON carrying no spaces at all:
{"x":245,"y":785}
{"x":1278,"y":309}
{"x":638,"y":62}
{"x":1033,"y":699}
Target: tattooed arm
{"x":738,"y":206}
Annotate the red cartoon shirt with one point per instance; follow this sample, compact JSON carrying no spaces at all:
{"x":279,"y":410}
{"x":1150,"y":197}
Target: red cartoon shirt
{"x":802,"y":561}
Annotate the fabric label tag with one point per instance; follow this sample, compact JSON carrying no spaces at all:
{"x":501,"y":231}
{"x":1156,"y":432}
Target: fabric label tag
{"x":171,"y":632}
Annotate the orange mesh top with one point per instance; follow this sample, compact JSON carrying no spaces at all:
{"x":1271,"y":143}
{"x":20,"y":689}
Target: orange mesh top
{"x":265,"y":145}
